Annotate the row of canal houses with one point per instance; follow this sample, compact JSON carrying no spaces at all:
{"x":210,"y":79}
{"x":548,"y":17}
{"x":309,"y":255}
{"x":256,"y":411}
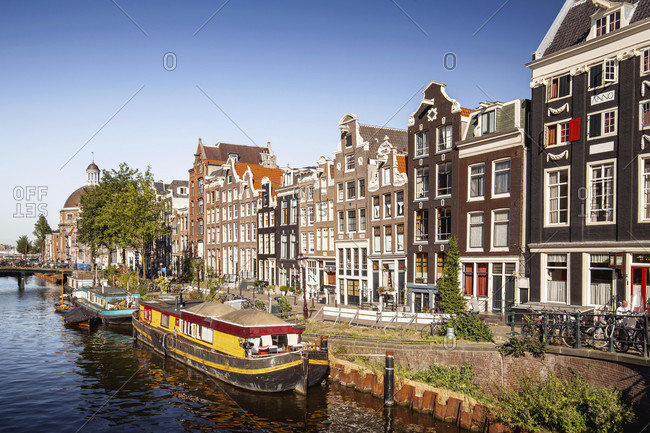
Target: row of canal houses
{"x":549,"y":197}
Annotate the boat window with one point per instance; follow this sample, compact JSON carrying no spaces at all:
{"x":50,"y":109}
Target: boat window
{"x":280,"y":341}
{"x":164,"y":321}
{"x":206,"y":332}
{"x":147,"y":314}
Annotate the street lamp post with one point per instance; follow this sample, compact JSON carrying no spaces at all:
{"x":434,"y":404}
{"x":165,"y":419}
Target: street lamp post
{"x":301,"y":260}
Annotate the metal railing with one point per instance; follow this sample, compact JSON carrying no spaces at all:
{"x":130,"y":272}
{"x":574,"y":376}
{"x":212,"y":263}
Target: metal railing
{"x":604,"y":330}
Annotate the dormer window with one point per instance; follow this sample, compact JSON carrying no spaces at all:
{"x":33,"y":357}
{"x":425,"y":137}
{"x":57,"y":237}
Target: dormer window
{"x":488,"y":122}
{"x":234,"y":156}
{"x":608,"y":23}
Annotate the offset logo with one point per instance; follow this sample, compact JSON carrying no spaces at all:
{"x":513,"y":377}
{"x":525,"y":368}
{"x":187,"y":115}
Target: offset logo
{"x":29,"y":201}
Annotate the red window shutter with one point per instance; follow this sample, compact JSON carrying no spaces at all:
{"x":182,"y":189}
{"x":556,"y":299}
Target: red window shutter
{"x":574,"y":129}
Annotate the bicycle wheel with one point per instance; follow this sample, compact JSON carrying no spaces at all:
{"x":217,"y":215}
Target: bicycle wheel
{"x":599,"y":337}
{"x":427,"y":331}
{"x":621,"y":340}
{"x":568,"y":335}
{"x":638,"y":340}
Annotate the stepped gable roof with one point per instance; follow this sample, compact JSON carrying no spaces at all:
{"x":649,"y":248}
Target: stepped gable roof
{"x":253,"y":318}
{"x":576,"y":25}
{"x":247,"y":154}
{"x":375,"y":135}
{"x":75,"y":198}
{"x":211,"y":309}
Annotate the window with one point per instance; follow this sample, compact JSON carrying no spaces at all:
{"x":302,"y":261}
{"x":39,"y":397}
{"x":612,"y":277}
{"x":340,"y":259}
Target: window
{"x":602,"y":73}
{"x":557,"y":134}
{"x":339,"y":188}
{"x":311,"y":243}
{"x":444,"y":224}
{"x":310,"y":215}
{"x":421,"y":183}
{"x":341,"y":222}
{"x":444,"y":178}
{"x":331,"y":239}
{"x":556,"y":277}
{"x":376,"y":239}
{"x":421,"y":267}
{"x":501,"y":184}
{"x":362,"y":220}
{"x":399,"y":201}
{"x":476,"y":230}
{"x":421,"y":225}
{"x":388,"y":206}
{"x":421,"y":144}
{"x":352,"y":220}
{"x":349,"y":162}
{"x":557,"y":202}
{"x":201,"y":186}
{"x":601,"y":187}
{"x":385,"y":176}
{"x":645,"y":189}
{"x":200,"y":207}
{"x":645,"y":114}
{"x":310,"y":193}
{"x":400,"y":237}
{"x":294,"y":211}
{"x":445,"y":135}
{"x":375,"y":207}
{"x":200,"y":227}
{"x":303,"y":217}
{"x":488,"y":122}
{"x":608,"y":23}
{"x":348,"y":141}
{"x":501,"y":229}
{"x":388,"y":239}
{"x":351,"y":193}
{"x":602,"y":278}
{"x":293,"y":246}
{"x":477,"y":181}
{"x":602,"y":124}
{"x":362,"y":188}
{"x":441,"y":260}
{"x":645,"y":61}
{"x":560,"y":87}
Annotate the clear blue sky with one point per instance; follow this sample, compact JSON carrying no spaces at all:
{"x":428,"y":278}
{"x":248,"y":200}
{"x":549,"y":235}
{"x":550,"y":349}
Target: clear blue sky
{"x":284,"y":71}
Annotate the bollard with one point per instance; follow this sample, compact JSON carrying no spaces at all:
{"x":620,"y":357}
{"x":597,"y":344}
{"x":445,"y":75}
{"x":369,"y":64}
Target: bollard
{"x":578,"y":344}
{"x":545,"y":326}
{"x":323,"y":343}
{"x":611,"y":334}
{"x":512,"y":323}
{"x":389,"y":379}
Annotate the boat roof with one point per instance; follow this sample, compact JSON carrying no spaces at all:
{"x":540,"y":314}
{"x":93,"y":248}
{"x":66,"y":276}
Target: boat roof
{"x":252,"y":318}
{"x":210,"y":309}
{"x":107,"y":290}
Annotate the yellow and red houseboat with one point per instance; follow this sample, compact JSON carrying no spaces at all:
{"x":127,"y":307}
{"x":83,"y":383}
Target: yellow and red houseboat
{"x":247,"y":348}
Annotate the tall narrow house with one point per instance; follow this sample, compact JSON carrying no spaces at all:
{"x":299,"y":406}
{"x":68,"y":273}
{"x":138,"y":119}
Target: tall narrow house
{"x":590,"y":156}
{"x":433,"y":190}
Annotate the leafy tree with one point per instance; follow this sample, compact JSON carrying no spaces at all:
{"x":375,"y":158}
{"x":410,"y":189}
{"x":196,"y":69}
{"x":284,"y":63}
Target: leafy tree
{"x":451,"y":300}
{"x":23,"y":245}
{"x":41,"y":229}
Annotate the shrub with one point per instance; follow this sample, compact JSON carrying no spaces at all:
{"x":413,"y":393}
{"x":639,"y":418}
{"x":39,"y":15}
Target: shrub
{"x":285,"y":306}
{"x":518,"y":345}
{"x":562,"y":405}
{"x":259,"y":304}
{"x":452,"y":378}
{"x":470,"y":327}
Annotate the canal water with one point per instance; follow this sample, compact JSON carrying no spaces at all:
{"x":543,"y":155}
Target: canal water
{"x":56,"y":379}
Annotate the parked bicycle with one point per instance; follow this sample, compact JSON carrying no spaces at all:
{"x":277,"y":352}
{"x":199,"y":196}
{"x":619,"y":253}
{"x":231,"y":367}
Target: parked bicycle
{"x":438,"y":323}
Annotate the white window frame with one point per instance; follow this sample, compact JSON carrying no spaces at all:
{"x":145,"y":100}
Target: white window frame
{"x":447,"y":131}
{"x":388,"y":239}
{"x":424,"y":152}
{"x":438,"y":178}
{"x":642,"y":201}
{"x":349,"y":162}
{"x":438,"y":238}
{"x":545,"y":280}
{"x":641,"y":104}
{"x":469,"y":246}
{"x":494,"y":177}
{"x":425,"y":186}
{"x":609,"y":66}
{"x":558,"y":133}
{"x":469,"y":182}
{"x":547,"y":197}
{"x":491,"y":116}
{"x":645,"y":55}
{"x":493,"y":230}
{"x":590,"y":167}
{"x":602,"y":124}
{"x":385,"y":176}
{"x":550,"y":87}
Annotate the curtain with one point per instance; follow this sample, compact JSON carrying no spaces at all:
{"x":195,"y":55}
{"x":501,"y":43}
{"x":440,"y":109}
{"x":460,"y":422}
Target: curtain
{"x":501,"y":228}
{"x":476,"y":231}
{"x":557,"y":291}
{"x":600,"y":293}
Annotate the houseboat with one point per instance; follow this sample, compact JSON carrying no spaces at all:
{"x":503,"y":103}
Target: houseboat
{"x":250,"y":349}
{"x":112,"y":305}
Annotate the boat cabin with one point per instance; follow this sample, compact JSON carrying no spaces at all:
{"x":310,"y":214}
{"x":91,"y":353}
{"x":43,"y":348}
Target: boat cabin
{"x":240,"y":333}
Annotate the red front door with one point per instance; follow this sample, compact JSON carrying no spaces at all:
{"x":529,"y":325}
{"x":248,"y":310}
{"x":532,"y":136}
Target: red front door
{"x":640,"y":292}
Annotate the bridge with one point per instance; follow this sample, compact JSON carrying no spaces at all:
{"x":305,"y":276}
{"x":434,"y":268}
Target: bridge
{"x":21,"y":273}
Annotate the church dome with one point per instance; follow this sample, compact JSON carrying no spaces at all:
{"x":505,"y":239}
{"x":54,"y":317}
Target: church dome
{"x":75,"y":198}
{"x":93,"y":166}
